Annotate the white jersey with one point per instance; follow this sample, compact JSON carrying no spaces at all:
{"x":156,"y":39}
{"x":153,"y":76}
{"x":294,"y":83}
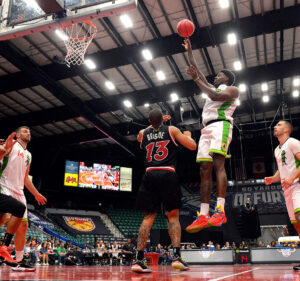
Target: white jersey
{"x":286,"y":160}
{"x":13,"y":170}
{"x":218,"y":110}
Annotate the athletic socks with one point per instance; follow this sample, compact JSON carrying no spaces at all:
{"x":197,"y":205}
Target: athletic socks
{"x":221,"y":202}
{"x":19,"y":255}
{"x":204,"y":209}
{"x":7,"y":239}
{"x":140,"y":255}
{"x":176,"y":252}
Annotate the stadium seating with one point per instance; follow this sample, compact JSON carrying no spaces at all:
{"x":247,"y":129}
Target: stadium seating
{"x":129,"y":221}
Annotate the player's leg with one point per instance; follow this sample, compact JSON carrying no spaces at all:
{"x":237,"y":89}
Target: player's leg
{"x":171,"y":199}
{"x":292,"y":200}
{"x":20,"y":240}
{"x":144,"y":233}
{"x":221,"y":138}
{"x":175,"y":235}
{"x":206,"y":166}
{"x":17,"y":209}
{"x":148,"y":201}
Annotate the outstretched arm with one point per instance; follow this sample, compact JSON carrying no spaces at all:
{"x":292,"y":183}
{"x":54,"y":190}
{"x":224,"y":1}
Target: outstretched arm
{"x":6,"y":148}
{"x":188,"y":47}
{"x":183,"y":138}
{"x":229,"y":93}
{"x":29,"y":185}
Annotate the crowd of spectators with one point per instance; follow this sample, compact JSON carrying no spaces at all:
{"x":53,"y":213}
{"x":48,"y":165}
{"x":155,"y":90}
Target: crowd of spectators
{"x":99,"y":252}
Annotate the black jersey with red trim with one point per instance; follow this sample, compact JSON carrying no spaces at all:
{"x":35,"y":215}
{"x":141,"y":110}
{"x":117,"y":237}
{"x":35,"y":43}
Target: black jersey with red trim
{"x":160,"y":147}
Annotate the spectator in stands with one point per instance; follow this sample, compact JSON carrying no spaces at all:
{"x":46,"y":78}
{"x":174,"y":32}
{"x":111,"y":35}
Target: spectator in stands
{"x":203,"y":247}
{"x":210,"y":245}
{"x":51,"y":254}
{"x":28,"y":254}
{"x":233,"y":245}
{"x":114,"y":253}
{"x":272,"y":244}
{"x":188,"y":246}
{"x":88,"y":253}
{"x":226,"y":246}
{"x":61,"y":253}
{"x":167,"y":259}
{"x":244,"y":245}
{"x":128,"y":251}
{"x":100,"y":250}
{"x":278,"y":245}
{"x":35,"y":249}
{"x":71,"y":258}
{"x":218,"y":246}
{"x":261,"y":243}
{"x":44,"y":254}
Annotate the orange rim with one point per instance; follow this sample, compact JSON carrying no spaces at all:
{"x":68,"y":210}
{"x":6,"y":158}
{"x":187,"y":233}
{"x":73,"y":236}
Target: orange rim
{"x":85,"y":38}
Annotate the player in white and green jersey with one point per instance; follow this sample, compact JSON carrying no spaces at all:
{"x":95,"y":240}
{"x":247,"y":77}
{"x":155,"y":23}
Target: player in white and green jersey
{"x":14,"y":174}
{"x":287,"y":155}
{"x":222,"y":99}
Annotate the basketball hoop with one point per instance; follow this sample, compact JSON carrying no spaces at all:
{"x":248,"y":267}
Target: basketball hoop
{"x":78,"y":38}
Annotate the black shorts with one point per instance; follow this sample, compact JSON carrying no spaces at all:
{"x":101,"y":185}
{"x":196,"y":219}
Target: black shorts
{"x":12,"y":206}
{"x":159,"y":187}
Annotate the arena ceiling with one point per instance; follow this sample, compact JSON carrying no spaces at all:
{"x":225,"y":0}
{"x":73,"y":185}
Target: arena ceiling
{"x":73,"y":106}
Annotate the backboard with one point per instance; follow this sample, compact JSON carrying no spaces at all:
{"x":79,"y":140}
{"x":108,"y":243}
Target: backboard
{"x":23,"y":17}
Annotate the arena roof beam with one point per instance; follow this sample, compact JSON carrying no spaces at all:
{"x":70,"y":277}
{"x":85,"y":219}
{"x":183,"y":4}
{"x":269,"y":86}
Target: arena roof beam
{"x":17,"y":58}
{"x":247,"y":27}
{"x":253,"y":75}
{"x":131,"y":129}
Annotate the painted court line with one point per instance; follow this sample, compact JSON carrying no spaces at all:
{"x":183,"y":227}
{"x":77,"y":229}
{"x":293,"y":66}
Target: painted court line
{"x":227,"y":276}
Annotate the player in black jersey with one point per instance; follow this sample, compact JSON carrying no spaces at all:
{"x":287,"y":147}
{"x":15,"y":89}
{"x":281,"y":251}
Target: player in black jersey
{"x":160,"y":184}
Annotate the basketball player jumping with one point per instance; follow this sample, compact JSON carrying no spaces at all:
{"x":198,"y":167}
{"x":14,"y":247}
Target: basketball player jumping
{"x":287,"y":155}
{"x":160,"y":184}
{"x":214,"y":141}
{"x":13,"y":176}
{"x":10,"y":205}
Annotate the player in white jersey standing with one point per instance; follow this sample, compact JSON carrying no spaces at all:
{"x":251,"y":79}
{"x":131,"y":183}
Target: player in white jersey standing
{"x":13,"y":176}
{"x":287,"y":155}
{"x":220,"y":104}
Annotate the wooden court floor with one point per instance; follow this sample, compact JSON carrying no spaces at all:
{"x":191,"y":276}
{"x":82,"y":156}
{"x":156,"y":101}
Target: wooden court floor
{"x":202,"y":272}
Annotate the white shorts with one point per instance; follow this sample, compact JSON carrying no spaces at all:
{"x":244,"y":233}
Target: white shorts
{"x":215,"y":138}
{"x":20,"y":197}
{"x":292,"y":200}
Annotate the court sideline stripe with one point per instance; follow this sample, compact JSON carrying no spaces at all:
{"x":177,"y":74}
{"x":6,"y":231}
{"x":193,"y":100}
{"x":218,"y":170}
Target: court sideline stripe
{"x":227,"y":276}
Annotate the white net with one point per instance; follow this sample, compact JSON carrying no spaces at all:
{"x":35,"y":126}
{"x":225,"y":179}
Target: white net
{"x":80,"y":35}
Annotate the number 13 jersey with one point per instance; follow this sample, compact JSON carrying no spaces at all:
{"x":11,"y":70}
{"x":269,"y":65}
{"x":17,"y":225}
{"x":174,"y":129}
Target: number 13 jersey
{"x":160,"y":147}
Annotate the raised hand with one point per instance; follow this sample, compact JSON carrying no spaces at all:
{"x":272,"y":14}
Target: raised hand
{"x":10,"y":142}
{"x":187,"y":44}
{"x":166,"y":118}
{"x":192,"y":71}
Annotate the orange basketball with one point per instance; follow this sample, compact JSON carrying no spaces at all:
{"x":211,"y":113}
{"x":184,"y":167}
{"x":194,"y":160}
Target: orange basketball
{"x":185,"y":28}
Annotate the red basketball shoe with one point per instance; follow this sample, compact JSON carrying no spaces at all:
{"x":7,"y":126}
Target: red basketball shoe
{"x":6,"y":257}
{"x":200,"y":223}
{"x":218,"y":217}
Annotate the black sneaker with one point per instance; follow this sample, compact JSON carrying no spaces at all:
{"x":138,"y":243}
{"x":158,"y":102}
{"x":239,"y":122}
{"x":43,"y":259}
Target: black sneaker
{"x":23,"y":266}
{"x":297,"y":267}
{"x":140,"y":267}
{"x":179,"y":263}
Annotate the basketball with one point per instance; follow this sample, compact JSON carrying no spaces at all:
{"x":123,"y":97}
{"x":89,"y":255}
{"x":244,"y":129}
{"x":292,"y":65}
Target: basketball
{"x":185,"y":28}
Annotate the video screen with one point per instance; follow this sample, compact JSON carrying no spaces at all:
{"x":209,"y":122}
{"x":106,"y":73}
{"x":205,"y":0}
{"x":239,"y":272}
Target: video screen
{"x":98,"y":176}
